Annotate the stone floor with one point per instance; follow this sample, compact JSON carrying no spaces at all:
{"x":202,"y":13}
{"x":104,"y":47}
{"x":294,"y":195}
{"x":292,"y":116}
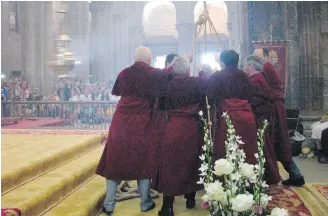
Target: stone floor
{"x":312,"y":171}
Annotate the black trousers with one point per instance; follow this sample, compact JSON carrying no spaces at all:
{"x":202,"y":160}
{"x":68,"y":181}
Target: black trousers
{"x":324,"y":142}
{"x":169,"y":200}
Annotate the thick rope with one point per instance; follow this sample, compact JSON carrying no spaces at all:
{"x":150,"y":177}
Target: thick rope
{"x":203,"y":19}
{"x":126,"y":191}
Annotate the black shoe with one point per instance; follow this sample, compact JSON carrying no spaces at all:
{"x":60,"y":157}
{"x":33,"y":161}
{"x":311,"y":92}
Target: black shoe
{"x":150,"y":208}
{"x":322,"y":159}
{"x":190,"y":203}
{"x":299,"y":182}
{"x":107,"y":212}
{"x":166,"y":212}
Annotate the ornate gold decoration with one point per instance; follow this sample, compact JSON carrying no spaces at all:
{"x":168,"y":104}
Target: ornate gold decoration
{"x":64,"y":60}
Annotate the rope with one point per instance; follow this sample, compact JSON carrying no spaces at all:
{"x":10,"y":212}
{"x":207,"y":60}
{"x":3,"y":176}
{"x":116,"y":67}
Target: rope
{"x":126,"y":191}
{"x":203,"y":19}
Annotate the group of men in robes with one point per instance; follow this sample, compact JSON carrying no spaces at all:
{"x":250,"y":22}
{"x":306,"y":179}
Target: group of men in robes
{"x":156,"y":135}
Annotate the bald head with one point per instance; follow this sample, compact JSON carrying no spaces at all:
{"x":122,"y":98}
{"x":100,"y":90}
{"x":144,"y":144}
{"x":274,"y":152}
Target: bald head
{"x":143,"y":54}
{"x":262,"y":53}
{"x":181,"y":65}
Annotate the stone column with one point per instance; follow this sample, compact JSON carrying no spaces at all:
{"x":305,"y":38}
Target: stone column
{"x":49,"y":36}
{"x":238,"y":21}
{"x":118,"y":43}
{"x":292,"y":35}
{"x":229,"y":24}
{"x":310,"y":73}
{"x":135,"y":18}
{"x":185,"y":32}
{"x":101,"y":40}
{"x":28,"y":42}
{"x":77,"y":23}
{"x":10,"y":42}
{"x":324,"y":51}
{"x":36,"y":41}
{"x":121,"y":38}
{"x":185,"y":26}
{"x":136,"y":40}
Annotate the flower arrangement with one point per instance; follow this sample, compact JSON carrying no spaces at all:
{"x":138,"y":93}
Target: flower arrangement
{"x":227,"y":181}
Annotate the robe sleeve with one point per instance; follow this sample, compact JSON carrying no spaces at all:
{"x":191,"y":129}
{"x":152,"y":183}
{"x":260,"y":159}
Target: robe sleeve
{"x":117,"y":88}
{"x":202,"y":91}
{"x":257,"y":96}
{"x":247,"y":88}
{"x":161,"y":83}
{"x":271,"y":74}
{"x":213,"y":88}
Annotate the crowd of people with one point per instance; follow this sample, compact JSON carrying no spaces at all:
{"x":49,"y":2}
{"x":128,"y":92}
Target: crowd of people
{"x":156,"y":135}
{"x":17,"y":89}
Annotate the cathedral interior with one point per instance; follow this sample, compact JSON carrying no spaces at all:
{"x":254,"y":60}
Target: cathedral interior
{"x":92,"y":41}
{"x":104,"y":36}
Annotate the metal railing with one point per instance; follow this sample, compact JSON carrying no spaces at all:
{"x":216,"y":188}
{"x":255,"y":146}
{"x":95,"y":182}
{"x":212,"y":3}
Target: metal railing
{"x":90,"y":115}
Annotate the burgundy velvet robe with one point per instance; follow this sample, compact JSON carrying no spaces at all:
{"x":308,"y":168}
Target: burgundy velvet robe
{"x":231,"y":92}
{"x":279,"y":130}
{"x":181,"y":145}
{"x":129,"y":151}
{"x":262,"y":109}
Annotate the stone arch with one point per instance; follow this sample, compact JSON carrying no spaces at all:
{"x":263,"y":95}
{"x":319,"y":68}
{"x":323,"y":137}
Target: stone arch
{"x":159,"y":19}
{"x":218,"y":13}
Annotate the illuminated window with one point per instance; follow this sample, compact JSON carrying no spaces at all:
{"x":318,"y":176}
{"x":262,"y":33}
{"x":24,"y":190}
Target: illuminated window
{"x":160,"y":62}
{"x":209,"y":59}
{"x":159,"y":19}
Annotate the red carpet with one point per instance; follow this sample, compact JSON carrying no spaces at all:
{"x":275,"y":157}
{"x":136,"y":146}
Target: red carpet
{"x":22,"y":124}
{"x":285,"y":197}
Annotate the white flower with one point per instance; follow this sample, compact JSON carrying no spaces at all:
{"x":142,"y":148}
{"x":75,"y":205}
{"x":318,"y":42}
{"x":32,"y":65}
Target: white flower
{"x":205,"y":198}
{"x":264,"y":184}
{"x":240,"y":142}
{"x":223,"y":167}
{"x":203,"y":168}
{"x":224,"y":114}
{"x":215,"y":191}
{"x":233,"y":148}
{"x":279,"y":212}
{"x":242,"y":153}
{"x":247,"y":170}
{"x":234,"y":188}
{"x":201,"y":113}
{"x":235,"y":176}
{"x":204,"y":148}
{"x":201,"y":181}
{"x":265,"y":200}
{"x":242,"y":202}
{"x":256,"y":155}
{"x":202,"y":157}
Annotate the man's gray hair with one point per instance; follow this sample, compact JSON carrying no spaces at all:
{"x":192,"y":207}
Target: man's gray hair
{"x":180,"y":65}
{"x":143,"y":54}
{"x":256,"y":61}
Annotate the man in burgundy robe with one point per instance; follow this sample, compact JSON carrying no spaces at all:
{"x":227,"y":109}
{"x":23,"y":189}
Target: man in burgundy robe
{"x":230,"y":91}
{"x":278,"y":129}
{"x":129,"y":151}
{"x":205,"y":72}
{"x":168,"y":60}
{"x":261,"y":107}
{"x":182,"y":140}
